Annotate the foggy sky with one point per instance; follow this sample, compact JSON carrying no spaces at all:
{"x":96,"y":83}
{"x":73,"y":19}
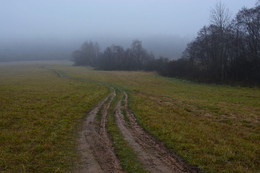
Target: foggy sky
{"x":107,"y":21}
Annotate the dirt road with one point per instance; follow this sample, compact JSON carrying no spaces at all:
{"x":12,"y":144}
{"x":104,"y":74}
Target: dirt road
{"x":96,"y":148}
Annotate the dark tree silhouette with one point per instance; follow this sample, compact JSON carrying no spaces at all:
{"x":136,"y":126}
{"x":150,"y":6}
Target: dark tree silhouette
{"x":87,"y":54}
{"x":226,"y":50}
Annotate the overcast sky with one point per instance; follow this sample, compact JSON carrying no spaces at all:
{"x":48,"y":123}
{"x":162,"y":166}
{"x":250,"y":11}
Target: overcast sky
{"x":79,"y":18}
{"x":66,"y":20}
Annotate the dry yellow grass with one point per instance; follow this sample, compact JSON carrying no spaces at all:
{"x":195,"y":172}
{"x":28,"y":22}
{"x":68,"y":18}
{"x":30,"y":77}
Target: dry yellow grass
{"x":39,"y":113}
{"x":213,"y":126}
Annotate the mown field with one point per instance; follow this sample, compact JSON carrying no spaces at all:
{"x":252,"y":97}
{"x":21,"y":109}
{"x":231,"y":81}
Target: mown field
{"x":215,"y":127}
{"x":39,"y":116}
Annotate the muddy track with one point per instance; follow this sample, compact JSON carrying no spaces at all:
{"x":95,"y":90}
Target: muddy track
{"x":94,"y":145}
{"x":96,"y":148}
{"x":104,"y":151}
{"x":153,"y":155}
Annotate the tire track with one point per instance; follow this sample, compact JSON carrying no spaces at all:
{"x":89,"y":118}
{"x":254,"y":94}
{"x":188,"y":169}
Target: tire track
{"x":104,"y":151}
{"x":154,"y":156}
{"x":95,"y":147}
{"x":87,"y":162}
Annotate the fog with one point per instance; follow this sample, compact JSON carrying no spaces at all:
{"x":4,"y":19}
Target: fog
{"x":52,"y":29}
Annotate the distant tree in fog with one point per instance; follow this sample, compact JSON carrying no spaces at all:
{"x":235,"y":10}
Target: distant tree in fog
{"x":220,"y":23}
{"x":248,"y":21}
{"x":87,"y":54}
{"x":225,"y":50}
{"x":220,"y":16}
{"x":114,"y":57}
{"x":137,"y":56}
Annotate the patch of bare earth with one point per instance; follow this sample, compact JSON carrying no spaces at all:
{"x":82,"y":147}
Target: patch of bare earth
{"x":153,"y":155}
{"x":95,"y":147}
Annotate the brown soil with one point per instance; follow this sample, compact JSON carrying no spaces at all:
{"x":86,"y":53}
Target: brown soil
{"x":95,"y":148}
{"x":154,"y":157}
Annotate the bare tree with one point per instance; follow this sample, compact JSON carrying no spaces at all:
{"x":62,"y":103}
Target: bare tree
{"x":220,"y":16}
{"x":249,"y":22}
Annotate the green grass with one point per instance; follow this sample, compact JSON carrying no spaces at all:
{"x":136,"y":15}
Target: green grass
{"x":127,"y":157}
{"x":39,"y":114}
{"x":123,"y":111}
{"x":99,"y":113}
{"x":213,"y":126}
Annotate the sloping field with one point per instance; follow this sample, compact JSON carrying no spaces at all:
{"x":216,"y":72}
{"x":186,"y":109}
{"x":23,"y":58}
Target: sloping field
{"x":39,"y":113}
{"x":213,"y":126}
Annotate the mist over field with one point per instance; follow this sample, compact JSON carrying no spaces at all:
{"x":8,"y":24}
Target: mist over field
{"x":130,"y":86}
{"x":52,"y":29}
{"x":61,"y":49}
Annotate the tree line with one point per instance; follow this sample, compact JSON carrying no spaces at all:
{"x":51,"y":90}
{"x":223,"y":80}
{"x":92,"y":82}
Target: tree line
{"x":113,"y":57}
{"x":225,"y":50}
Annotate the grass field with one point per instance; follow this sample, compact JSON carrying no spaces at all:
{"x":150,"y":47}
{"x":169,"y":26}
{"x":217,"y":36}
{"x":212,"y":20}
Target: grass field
{"x":215,"y":127}
{"x":39,"y":114}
